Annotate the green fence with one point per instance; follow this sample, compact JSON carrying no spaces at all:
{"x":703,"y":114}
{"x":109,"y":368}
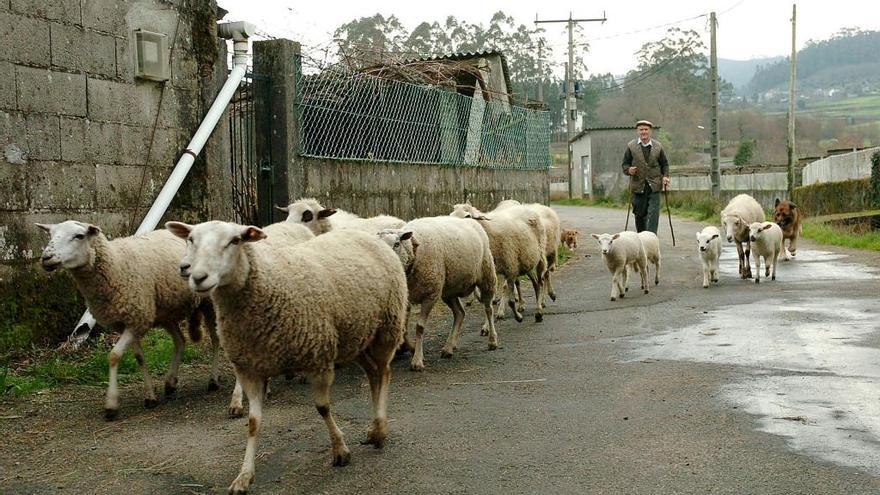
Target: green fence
{"x":361,"y":117}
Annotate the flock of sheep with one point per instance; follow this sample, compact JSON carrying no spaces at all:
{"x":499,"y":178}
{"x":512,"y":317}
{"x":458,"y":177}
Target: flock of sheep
{"x":298,"y":296}
{"x":326,"y":286}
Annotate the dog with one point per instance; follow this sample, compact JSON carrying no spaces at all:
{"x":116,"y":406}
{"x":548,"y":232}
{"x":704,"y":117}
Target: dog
{"x":788,"y":216}
{"x":569,"y":237}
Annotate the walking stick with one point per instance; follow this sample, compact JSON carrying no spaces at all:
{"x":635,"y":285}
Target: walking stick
{"x":629,"y":205}
{"x":669,"y":214}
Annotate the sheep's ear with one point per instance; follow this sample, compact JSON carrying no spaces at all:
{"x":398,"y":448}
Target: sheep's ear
{"x":92,"y":230}
{"x":715,"y":236}
{"x":595,"y":236}
{"x":326,"y":212}
{"x":179,"y":229}
{"x":406,"y":235}
{"x":769,"y":225}
{"x":307,"y":216}
{"x":777,"y":202}
{"x":698,"y":236}
{"x":792,"y":205}
{"x":252,"y":234}
{"x":46,"y":227}
{"x":415,"y":244}
{"x":615,"y":237}
{"x":285,"y":209}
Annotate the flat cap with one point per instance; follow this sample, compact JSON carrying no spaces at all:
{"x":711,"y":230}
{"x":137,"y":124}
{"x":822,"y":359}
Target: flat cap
{"x":644,"y":122}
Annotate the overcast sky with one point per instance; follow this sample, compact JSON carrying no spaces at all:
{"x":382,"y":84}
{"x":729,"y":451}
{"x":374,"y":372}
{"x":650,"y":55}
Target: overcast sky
{"x":747,"y":28}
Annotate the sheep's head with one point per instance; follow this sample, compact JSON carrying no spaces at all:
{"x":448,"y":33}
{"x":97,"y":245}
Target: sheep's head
{"x":757,"y":228}
{"x":213,"y":251}
{"x":402,"y":243}
{"x":704,"y":239}
{"x":310,"y":213}
{"x":605,"y":241}
{"x":733,"y":226}
{"x":507,"y":203}
{"x":466,"y":210}
{"x":69,"y":245}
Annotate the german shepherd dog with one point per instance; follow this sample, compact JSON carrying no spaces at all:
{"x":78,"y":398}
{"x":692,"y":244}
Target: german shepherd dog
{"x":788,"y":216}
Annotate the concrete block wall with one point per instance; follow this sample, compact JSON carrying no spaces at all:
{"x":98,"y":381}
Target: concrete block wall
{"x":76,"y":126}
{"x":836,"y":168}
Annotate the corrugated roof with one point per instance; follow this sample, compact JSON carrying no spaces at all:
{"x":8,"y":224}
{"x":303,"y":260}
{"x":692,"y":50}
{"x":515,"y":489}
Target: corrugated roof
{"x":470,"y":55}
{"x":606,"y":128}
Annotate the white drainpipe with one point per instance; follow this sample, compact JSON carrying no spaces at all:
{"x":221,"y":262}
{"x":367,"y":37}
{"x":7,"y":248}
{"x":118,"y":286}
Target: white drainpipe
{"x":239,"y":32}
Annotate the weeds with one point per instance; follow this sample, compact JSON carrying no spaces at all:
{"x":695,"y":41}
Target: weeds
{"x":842,"y":235}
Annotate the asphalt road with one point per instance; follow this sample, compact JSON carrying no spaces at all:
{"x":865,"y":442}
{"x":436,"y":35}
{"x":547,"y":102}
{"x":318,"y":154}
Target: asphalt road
{"x":740,"y":388}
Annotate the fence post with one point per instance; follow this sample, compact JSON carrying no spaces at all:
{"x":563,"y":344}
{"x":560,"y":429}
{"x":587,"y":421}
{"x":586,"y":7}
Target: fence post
{"x":276,"y":69}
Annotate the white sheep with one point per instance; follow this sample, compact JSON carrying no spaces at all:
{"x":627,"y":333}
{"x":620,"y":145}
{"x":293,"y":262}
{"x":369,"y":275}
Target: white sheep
{"x":552,"y":232}
{"x":131,"y":285}
{"x":709,"y":242}
{"x":766,"y":238}
{"x":444,"y":259}
{"x":652,"y":251}
{"x":339,"y":297}
{"x":320,"y":220}
{"x":736,"y":217}
{"x":621,"y":251}
{"x":516,"y":239}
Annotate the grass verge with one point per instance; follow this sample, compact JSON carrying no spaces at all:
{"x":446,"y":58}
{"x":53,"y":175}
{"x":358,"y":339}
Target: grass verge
{"x":842,"y":235}
{"x":53,"y":368}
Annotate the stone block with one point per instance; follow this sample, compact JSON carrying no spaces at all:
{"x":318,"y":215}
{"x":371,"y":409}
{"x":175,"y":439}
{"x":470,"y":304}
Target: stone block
{"x":79,"y":49}
{"x":54,"y":185}
{"x":43,"y":137}
{"x":26,"y":39}
{"x":13,"y":138}
{"x":7,"y":86}
{"x":73,"y":139}
{"x":125,"y":186}
{"x":102,"y":143}
{"x":112,"y":101}
{"x":106,"y":16}
{"x":56,"y":10}
{"x":13,"y":186}
{"x":180,"y":108}
{"x":184,"y":70}
{"x":41,"y":90}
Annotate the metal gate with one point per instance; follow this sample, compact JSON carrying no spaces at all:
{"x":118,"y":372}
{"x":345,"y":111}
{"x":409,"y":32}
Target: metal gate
{"x":250,"y":173}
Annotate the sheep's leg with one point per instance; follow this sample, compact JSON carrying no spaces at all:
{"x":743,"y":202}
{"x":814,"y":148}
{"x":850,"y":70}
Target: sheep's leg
{"x":548,"y":278}
{"x":503,"y":294}
{"x":489,"y":325}
{"x":111,"y":403}
{"x":321,"y":382}
{"x":407,"y":344}
{"x":418,"y":359}
{"x":623,"y":281}
{"x":742,"y":265}
{"x":747,"y":260}
{"x":615,"y":284}
{"x":706,"y":272}
{"x":236,"y":408}
{"x":379,"y":374}
{"x":775,"y":259}
{"x":643,"y":274}
{"x":520,"y":302}
{"x":176,"y":355}
{"x":149,"y":392}
{"x":211,"y":323}
{"x":538,"y":286}
{"x":657,"y":272}
{"x":758,"y":267}
{"x":255,"y":390}
{"x":457,"y":319}
{"x":509,"y":298}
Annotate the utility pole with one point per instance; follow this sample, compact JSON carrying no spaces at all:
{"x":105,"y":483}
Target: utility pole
{"x":575,"y":173}
{"x":715,"y":171}
{"x":791,"y":96}
{"x":541,"y":70}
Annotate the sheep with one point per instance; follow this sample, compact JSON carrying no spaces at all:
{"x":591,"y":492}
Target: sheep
{"x":652,"y":251}
{"x":709,"y":241}
{"x":278,"y":234}
{"x":320,"y":220}
{"x":552,"y":232}
{"x":516,"y":239}
{"x":736,"y":217}
{"x":620,"y":251}
{"x":569,"y":237}
{"x":339,"y":297}
{"x":131,"y":285}
{"x":766,"y":237}
{"x":444,"y":259}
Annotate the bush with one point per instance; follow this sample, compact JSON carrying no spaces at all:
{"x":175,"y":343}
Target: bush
{"x":829,"y":198}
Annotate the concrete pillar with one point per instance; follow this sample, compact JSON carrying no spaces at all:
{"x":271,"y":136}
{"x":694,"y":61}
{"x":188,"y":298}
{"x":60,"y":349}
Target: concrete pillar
{"x":281,"y":179}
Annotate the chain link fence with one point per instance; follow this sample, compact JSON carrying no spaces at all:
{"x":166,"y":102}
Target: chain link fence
{"x":361,"y":117}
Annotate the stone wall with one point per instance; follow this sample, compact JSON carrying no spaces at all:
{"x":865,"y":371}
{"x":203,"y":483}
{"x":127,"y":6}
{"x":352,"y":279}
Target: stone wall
{"x":81,"y":138}
{"x":848,"y":166}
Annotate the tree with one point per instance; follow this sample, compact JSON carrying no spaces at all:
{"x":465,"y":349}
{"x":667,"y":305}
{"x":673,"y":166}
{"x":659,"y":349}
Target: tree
{"x":744,"y":153}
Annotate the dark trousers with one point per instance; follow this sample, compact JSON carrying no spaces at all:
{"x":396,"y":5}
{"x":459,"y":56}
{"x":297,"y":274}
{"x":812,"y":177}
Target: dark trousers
{"x":646,"y":208}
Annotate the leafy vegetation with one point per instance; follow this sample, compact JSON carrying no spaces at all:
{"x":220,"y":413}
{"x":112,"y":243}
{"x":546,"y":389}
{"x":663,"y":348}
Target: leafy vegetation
{"x":852,"y":236}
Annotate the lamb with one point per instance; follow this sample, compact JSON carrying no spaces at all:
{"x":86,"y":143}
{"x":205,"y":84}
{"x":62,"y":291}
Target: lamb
{"x":339,"y":297}
{"x":516,"y":239}
{"x":621,"y":251}
{"x":131,"y":285}
{"x":736,"y":217}
{"x":709,"y":241}
{"x":320,"y":220}
{"x":552,"y":232}
{"x":766,"y":237}
{"x":652,"y":251}
{"x":444,"y":259}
